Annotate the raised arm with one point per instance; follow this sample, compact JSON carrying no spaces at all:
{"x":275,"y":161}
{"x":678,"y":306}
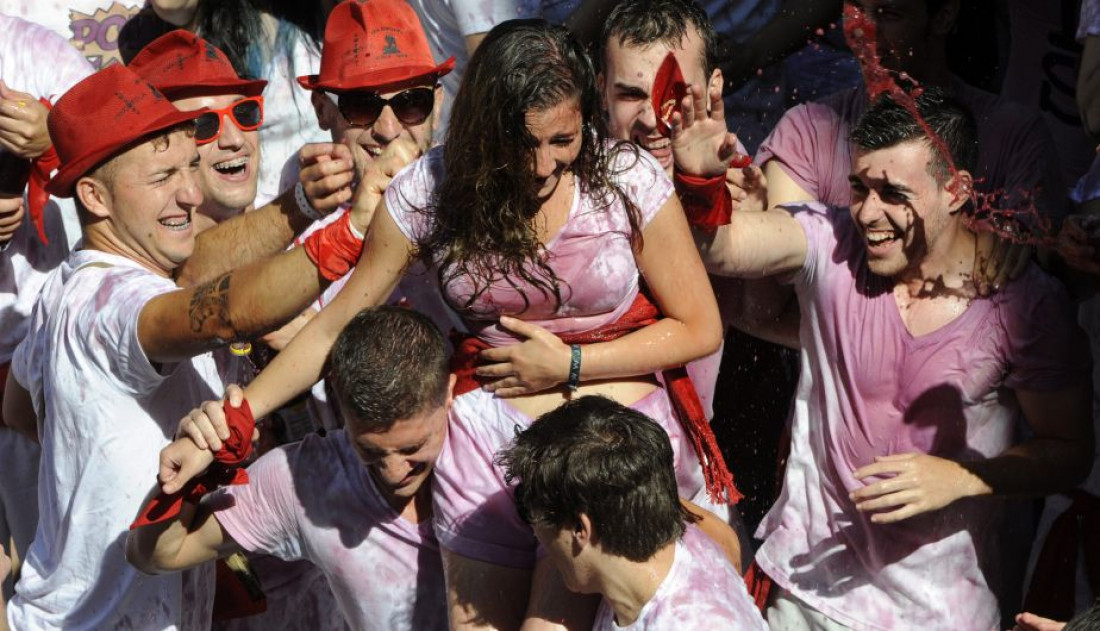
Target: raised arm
{"x":385,"y":256}
{"x":754,"y":245}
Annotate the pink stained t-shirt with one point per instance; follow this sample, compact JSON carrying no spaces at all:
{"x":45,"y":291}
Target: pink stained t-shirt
{"x":316,"y":500}
{"x":1016,"y":153}
{"x":869,"y":388}
{"x":701,"y":591}
{"x":591,"y":254}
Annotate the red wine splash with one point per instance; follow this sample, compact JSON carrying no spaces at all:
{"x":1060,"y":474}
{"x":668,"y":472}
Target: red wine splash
{"x":1015,"y":217}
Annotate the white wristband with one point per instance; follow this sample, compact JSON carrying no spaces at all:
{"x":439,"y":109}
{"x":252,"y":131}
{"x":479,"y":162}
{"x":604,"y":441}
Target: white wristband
{"x":304,"y":206}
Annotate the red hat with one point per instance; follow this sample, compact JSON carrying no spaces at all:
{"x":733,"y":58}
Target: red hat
{"x":100,"y":116}
{"x":376,"y":45}
{"x":181,"y":64}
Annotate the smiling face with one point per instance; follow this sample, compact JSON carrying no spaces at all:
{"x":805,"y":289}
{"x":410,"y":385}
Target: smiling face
{"x":148,"y":195}
{"x":901,"y":210}
{"x":557,"y":134}
{"x":366,"y":143}
{"x":230,"y":165}
{"x":400,"y":459}
{"x":626,"y":86}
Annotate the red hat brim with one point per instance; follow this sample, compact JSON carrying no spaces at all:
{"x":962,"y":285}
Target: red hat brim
{"x":382,"y":81}
{"x":61,"y":185}
{"x":214,"y":88}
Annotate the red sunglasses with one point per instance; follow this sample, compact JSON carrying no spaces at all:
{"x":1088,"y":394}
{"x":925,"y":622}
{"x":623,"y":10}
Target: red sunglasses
{"x":247,"y":115}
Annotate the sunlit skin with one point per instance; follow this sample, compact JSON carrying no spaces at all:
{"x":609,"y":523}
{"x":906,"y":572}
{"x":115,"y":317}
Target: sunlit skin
{"x":401,"y":458}
{"x":906,"y":217}
{"x":230,"y":165}
{"x":557,"y":134}
{"x":626,"y":86}
{"x":366,"y":143}
{"x":147,"y":204}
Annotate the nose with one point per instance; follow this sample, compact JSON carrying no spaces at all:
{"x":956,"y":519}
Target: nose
{"x":545,"y":164}
{"x":868,"y":209}
{"x":231,"y":138}
{"x":393,"y":468}
{"x":647,"y":117}
{"x":387,"y":128}
{"x":189,"y":194}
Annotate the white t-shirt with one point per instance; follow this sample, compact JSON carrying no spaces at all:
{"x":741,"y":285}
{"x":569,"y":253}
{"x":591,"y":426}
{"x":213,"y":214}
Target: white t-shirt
{"x":701,"y":591}
{"x":447,"y":23}
{"x":36,"y":61}
{"x":105,"y":413}
{"x":316,"y":500}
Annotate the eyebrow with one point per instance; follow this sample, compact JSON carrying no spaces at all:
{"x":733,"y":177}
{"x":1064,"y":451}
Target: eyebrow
{"x":626,"y":87}
{"x":886,"y":183}
{"x":407,"y":449}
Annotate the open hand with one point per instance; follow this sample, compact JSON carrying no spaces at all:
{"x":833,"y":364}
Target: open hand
{"x":701,"y":144}
{"x":23,"y":129}
{"x":327,"y":175}
{"x":919,"y":483}
{"x":536,"y":364}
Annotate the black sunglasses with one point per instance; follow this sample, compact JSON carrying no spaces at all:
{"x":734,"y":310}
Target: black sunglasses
{"x":361,"y":108}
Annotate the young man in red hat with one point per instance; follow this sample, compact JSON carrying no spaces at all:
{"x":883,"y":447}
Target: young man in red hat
{"x":116,"y":353}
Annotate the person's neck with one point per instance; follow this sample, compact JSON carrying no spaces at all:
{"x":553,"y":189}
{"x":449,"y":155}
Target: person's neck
{"x":101,"y":237}
{"x":630,"y":585}
{"x":949,"y":264}
{"x":414,"y":509}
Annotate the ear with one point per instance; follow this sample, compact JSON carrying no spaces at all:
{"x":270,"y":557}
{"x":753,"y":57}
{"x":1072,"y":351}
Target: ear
{"x":943,"y":21}
{"x":716,"y":81}
{"x":93,"y":194}
{"x":960,"y":189}
{"x":583,"y":535}
{"x":324,"y":108}
{"x":451,"y":390}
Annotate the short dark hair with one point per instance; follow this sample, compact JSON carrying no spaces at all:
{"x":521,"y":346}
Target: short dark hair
{"x":646,"y":22}
{"x":389,"y":364}
{"x":1088,"y":620}
{"x":886,"y":124}
{"x":600,"y":458}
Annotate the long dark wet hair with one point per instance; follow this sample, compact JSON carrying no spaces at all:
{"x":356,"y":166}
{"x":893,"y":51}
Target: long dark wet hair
{"x":482,"y":213}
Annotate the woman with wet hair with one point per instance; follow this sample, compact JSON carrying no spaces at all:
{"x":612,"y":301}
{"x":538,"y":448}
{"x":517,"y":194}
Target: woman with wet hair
{"x":537,"y":229}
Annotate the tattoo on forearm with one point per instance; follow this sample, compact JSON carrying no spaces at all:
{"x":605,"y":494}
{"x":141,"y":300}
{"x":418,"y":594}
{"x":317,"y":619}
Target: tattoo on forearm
{"x":211,"y":300}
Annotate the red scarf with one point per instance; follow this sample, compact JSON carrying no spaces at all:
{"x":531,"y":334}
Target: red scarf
{"x":681,"y":391}
{"x":42,"y":168}
{"x":225,"y":469}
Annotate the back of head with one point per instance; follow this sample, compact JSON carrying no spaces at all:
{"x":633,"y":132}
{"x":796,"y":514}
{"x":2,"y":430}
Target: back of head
{"x":389,"y":364}
{"x":600,"y":458}
{"x":647,"y":22}
{"x":887,"y":124}
{"x":1088,"y":620}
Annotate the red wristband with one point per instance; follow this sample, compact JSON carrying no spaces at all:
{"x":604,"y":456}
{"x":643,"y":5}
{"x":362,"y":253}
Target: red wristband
{"x":224,"y":470}
{"x":707,"y":201}
{"x":334,"y":249}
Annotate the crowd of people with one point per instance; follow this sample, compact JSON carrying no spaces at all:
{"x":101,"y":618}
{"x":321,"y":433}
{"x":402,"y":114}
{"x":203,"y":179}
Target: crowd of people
{"x":392,"y":315}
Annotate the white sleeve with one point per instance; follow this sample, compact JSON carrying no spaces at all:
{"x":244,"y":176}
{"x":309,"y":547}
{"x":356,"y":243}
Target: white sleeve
{"x":479,"y":16}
